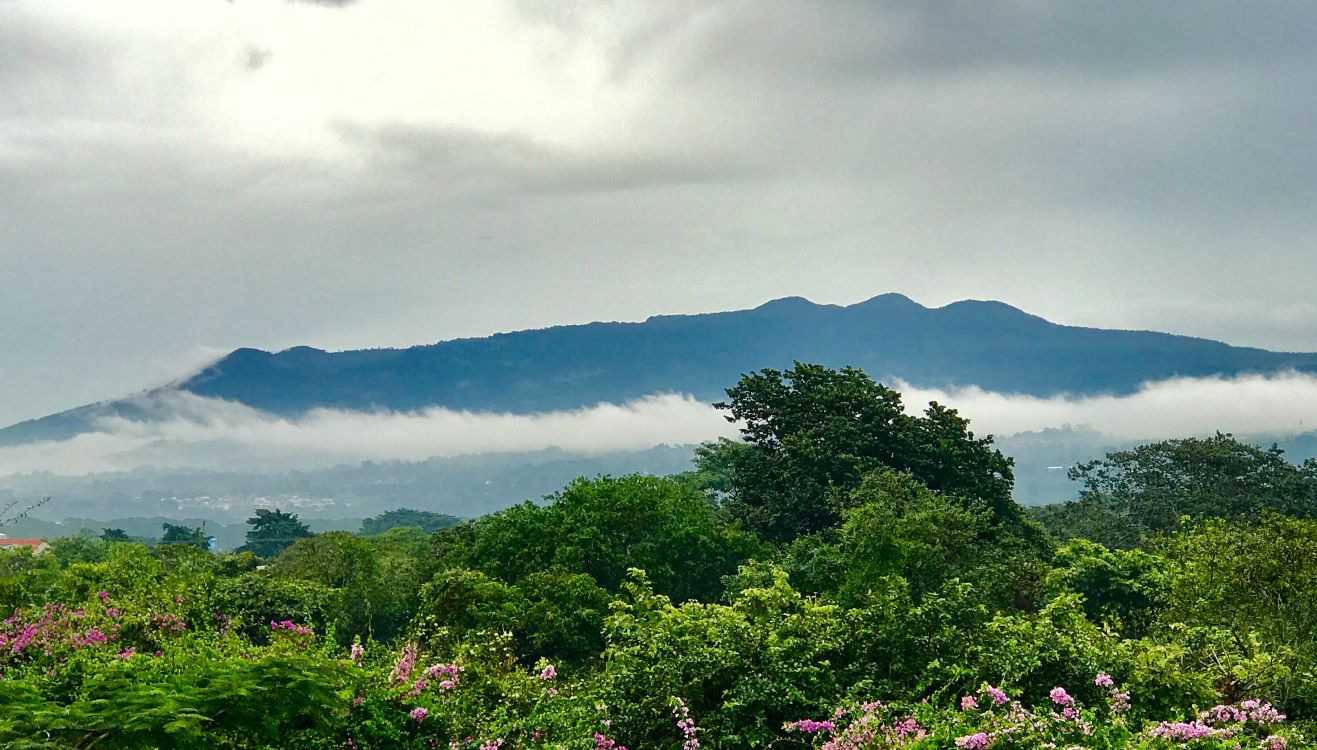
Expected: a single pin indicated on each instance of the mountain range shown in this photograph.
(980, 343)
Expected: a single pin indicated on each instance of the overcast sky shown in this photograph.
(181, 178)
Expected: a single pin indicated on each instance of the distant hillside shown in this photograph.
(988, 344)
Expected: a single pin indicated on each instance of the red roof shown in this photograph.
(7, 542)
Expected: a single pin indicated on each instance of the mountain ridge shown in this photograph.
(984, 343)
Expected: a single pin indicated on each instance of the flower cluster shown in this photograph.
(402, 670)
(168, 622)
(871, 727)
(291, 627)
(1223, 722)
(809, 726)
(55, 628)
(602, 742)
(689, 732)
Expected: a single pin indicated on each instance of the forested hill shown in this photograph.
(988, 344)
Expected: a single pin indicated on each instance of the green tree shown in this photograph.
(1135, 493)
(340, 560)
(184, 535)
(273, 531)
(604, 526)
(816, 432)
(115, 535)
(404, 517)
(1242, 597)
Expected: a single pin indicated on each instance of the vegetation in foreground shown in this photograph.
(847, 577)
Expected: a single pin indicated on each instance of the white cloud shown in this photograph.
(209, 433)
(1275, 405)
(193, 431)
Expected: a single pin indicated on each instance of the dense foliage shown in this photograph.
(910, 606)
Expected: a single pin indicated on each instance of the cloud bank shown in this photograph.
(345, 174)
(191, 431)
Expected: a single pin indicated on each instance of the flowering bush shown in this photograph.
(991, 719)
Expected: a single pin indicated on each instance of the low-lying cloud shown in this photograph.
(1273, 405)
(210, 433)
(192, 431)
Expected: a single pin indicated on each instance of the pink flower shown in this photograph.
(974, 741)
(809, 726)
(403, 669)
(1103, 680)
(356, 653)
(419, 713)
(548, 673)
(997, 695)
(1120, 701)
(104, 595)
(1060, 697)
(967, 703)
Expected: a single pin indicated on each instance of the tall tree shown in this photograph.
(174, 534)
(815, 433)
(273, 531)
(1135, 493)
(403, 517)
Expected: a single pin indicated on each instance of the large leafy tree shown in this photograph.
(1136, 493)
(177, 534)
(404, 517)
(115, 535)
(272, 531)
(602, 527)
(815, 432)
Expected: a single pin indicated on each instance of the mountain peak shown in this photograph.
(786, 305)
(890, 299)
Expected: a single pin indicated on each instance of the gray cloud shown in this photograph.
(396, 173)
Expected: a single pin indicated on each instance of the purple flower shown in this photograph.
(419, 713)
(1182, 731)
(403, 669)
(1060, 697)
(974, 741)
(997, 695)
(809, 726)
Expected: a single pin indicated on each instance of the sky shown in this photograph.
(178, 179)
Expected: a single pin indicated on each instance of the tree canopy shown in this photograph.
(403, 517)
(813, 433)
(1147, 490)
(273, 531)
